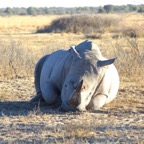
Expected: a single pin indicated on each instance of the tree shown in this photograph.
(32, 11)
(101, 10)
(141, 10)
(1, 12)
(109, 8)
(9, 11)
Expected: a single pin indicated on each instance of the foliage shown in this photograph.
(141, 9)
(9, 11)
(75, 10)
(32, 11)
(108, 8)
(101, 10)
(80, 24)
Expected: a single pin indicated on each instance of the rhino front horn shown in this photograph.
(74, 98)
(79, 87)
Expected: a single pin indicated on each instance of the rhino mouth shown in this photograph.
(75, 98)
(74, 103)
(81, 108)
(65, 107)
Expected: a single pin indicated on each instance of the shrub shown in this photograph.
(16, 61)
(130, 59)
(80, 24)
(133, 32)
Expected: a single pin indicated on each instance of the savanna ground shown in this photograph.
(121, 121)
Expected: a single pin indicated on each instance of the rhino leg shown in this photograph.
(50, 93)
(37, 74)
(97, 102)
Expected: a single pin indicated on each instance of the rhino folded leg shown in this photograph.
(97, 102)
(50, 93)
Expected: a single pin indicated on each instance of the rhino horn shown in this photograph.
(102, 63)
(74, 52)
(79, 87)
(74, 99)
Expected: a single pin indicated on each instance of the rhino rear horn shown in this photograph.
(102, 63)
(74, 52)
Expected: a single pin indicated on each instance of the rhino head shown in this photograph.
(84, 76)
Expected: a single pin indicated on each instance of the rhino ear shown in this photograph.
(74, 52)
(102, 63)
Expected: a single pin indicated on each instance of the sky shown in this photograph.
(65, 3)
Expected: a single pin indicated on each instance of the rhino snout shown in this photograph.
(65, 107)
(81, 108)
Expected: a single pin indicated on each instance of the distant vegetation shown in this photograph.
(86, 24)
(93, 26)
(75, 10)
(119, 35)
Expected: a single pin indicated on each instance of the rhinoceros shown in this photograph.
(81, 78)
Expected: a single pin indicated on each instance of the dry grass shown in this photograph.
(24, 122)
(121, 121)
(24, 24)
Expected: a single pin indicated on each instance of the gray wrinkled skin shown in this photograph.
(81, 77)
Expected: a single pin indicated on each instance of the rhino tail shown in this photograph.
(37, 98)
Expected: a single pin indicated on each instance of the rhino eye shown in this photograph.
(65, 85)
(83, 87)
(72, 82)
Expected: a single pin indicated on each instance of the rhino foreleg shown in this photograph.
(97, 102)
(37, 74)
(50, 93)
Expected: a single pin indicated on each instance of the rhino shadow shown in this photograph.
(18, 108)
(24, 108)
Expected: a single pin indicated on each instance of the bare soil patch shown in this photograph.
(121, 121)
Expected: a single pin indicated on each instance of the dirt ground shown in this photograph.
(121, 121)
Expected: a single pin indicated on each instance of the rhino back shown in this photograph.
(56, 68)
